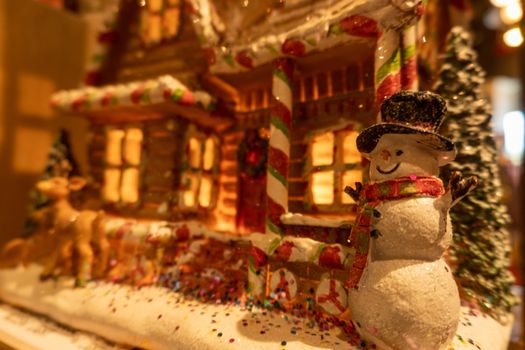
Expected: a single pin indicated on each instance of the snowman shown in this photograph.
(402, 293)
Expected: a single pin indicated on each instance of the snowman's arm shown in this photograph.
(354, 193)
(458, 187)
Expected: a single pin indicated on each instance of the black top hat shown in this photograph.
(409, 112)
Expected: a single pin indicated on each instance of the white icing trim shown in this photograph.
(305, 220)
(95, 98)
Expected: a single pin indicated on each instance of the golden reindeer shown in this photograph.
(81, 227)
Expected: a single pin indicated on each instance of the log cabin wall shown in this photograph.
(131, 59)
(323, 99)
(161, 172)
(225, 211)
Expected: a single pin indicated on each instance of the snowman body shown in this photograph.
(407, 297)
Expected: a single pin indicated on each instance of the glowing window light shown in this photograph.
(350, 152)
(129, 192)
(514, 133)
(350, 177)
(502, 3)
(513, 37)
(323, 187)
(323, 149)
(133, 146)
(512, 13)
(209, 153)
(205, 191)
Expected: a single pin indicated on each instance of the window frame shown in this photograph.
(199, 172)
(123, 165)
(338, 167)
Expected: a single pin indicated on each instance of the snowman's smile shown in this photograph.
(384, 172)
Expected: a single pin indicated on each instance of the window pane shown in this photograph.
(323, 149)
(350, 152)
(194, 155)
(191, 186)
(350, 177)
(130, 185)
(323, 187)
(114, 146)
(133, 146)
(154, 5)
(110, 191)
(205, 191)
(209, 154)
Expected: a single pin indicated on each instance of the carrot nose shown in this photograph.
(385, 154)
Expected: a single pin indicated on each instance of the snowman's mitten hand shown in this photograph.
(354, 193)
(460, 187)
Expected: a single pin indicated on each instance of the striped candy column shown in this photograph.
(409, 76)
(387, 66)
(279, 149)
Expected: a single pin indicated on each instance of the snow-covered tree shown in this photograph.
(481, 249)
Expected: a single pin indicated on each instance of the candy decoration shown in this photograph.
(279, 149)
(387, 66)
(164, 88)
(283, 284)
(409, 59)
(331, 295)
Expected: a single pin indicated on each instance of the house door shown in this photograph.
(252, 157)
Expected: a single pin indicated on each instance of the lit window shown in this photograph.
(323, 149)
(200, 170)
(334, 162)
(159, 20)
(123, 156)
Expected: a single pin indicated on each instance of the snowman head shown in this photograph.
(406, 142)
(399, 155)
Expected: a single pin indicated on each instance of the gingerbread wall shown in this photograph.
(41, 51)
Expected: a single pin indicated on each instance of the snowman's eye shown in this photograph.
(399, 152)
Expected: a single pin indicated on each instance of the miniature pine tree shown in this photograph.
(480, 250)
(60, 162)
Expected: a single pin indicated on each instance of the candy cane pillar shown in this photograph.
(279, 148)
(387, 66)
(409, 79)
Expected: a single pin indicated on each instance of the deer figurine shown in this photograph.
(80, 227)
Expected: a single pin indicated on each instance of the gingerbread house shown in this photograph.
(219, 120)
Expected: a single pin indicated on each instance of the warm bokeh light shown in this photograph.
(514, 132)
(502, 3)
(513, 37)
(512, 13)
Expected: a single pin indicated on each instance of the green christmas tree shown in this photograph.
(60, 162)
(481, 249)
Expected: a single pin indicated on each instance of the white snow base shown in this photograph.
(156, 318)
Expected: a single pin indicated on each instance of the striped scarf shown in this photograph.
(372, 195)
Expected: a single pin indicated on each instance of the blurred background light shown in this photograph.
(514, 133)
(512, 13)
(513, 37)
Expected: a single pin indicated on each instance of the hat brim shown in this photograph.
(368, 139)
